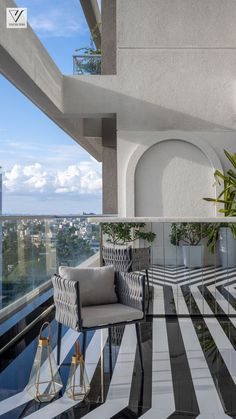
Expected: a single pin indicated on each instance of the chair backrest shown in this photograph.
(127, 259)
(96, 284)
(119, 257)
(66, 300)
(130, 288)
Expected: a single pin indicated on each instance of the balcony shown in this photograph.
(188, 338)
(86, 64)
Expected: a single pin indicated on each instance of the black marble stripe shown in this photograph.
(101, 379)
(224, 321)
(22, 375)
(162, 279)
(169, 300)
(141, 386)
(228, 296)
(215, 274)
(21, 325)
(201, 278)
(224, 383)
(33, 406)
(226, 279)
(211, 301)
(182, 415)
(184, 393)
(8, 356)
(183, 276)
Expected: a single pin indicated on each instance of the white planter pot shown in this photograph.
(193, 256)
(227, 248)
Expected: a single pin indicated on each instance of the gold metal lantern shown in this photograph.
(78, 384)
(45, 381)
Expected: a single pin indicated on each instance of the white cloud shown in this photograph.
(83, 178)
(26, 178)
(12, 177)
(37, 177)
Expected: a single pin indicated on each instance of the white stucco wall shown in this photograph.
(180, 76)
(176, 79)
(171, 178)
(205, 146)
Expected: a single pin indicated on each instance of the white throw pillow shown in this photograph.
(97, 285)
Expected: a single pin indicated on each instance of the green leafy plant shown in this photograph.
(228, 194)
(188, 233)
(227, 197)
(124, 233)
(87, 60)
(213, 234)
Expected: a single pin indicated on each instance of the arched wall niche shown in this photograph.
(169, 177)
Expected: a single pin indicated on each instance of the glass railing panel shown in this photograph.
(192, 266)
(85, 64)
(227, 259)
(34, 248)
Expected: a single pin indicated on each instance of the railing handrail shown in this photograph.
(86, 55)
(48, 217)
(187, 219)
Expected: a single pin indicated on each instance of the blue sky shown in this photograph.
(45, 171)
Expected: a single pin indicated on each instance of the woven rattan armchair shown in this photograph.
(129, 308)
(128, 259)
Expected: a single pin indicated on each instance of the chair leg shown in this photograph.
(148, 283)
(84, 344)
(110, 351)
(138, 333)
(148, 287)
(59, 327)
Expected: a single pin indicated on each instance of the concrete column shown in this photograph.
(109, 166)
(108, 45)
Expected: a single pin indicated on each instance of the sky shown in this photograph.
(44, 170)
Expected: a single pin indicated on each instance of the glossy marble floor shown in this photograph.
(189, 360)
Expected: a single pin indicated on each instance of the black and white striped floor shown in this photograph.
(189, 361)
(186, 291)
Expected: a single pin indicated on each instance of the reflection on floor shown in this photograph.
(189, 362)
(207, 291)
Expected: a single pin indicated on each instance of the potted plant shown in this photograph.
(119, 249)
(225, 233)
(189, 236)
(87, 60)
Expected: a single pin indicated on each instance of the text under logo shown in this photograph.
(16, 17)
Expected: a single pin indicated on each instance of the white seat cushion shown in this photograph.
(109, 314)
(97, 285)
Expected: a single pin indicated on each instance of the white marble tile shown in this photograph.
(207, 396)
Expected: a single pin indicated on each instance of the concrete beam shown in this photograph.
(25, 63)
(93, 17)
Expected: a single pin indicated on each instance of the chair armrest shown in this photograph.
(67, 302)
(130, 289)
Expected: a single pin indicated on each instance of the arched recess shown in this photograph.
(188, 163)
